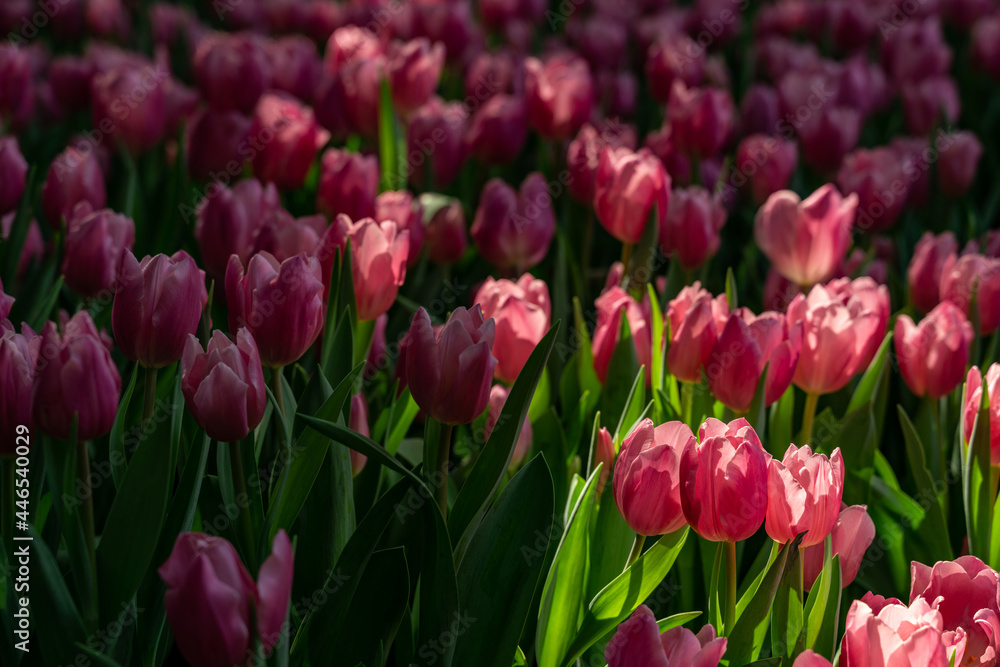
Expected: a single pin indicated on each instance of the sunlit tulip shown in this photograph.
(702, 118)
(696, 319)
(851, 536)
(973, 400)
(413, 69)
(400, 207)
(804, 494)
(933, 355)
(638, 643)
(560, 94)
(627, 187)
(584, 155)
(521, 311)
(973, 280)
(293, 135)
(610, 305)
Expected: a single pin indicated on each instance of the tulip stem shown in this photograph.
(633, 555)
(242, 500)
(444, 456)
(730, 587)
(687, 401)
(149, 395)
(626, 258)
(808, 415)
(938, 439)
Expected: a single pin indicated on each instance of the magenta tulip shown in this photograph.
(924, 273)
(584, 155)
(876, 177)
(609, 307)
(498, 397)
(513, 230)
(447, 239)
(690, 230)
(400, 207)
(217, 144)
(498, 129)
(295, 65)
(638, 643)
(18, 359)
(851, 536)
(933, 354)
(647, 480)
(413, 69)
(973, 279)
(289, 136)
(560, 94)
(13, 170)
(229, 222)
(223, 385)
(958, 163)
(828, 135)
(766, 163)
(285, 236)
(75, 176)
(436, 142)
(521, 311)
(232, 71)
(129, 103)
(804, 494)
(930, 102)
(348, 184)
(973, 400)
(627, 187)
(810, 658)
(671, 58)
(696, 319)
(94, 246)
(604, 453)
(702, 119)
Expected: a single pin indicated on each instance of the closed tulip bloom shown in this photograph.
(609, 307)
(285, 236)
(229, 222)
(696, 319)
(294, 65)
(804, 494)
(560, 94)
(924, 273)
(18, 359)
(930, 102)
(724, 481)
(232, 71)
(361, 85)
(348, 44)
(876, 177)
(16, 90)
(521, 312)
(295, 137)
(451, 368)
(690, 231)
(810, 658)
(348, 184)
(828, 135)
(378, 261)
(933, 355)
(281, 304)
(223, 386)
(701, 117)
(916, 51)
(75, 376)
(851, 536)
(865, 294)
(638, 643)
(627, 186)
(75, 176)
(498, 397)
(986, 45)
(974, 398)
(498, 129)
(436, 142)
(447, 239)
(647, 480)
(973, 279)
(584, 155)
(13, 170)
(212, 601)
(806, 240)
(957, 166)
(413, 69)
(604, 452)
(672, 58)
(513, 230)
(400, 207)
(115, 90)
(767, 163)
(217, 143)
(94, 248)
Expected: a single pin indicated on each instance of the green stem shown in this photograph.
(626, 258)
(730, 586)
(444, 455)
(242, 502)
(149, 395)
(714, 614)
(9, 500)
(938, 440)
(808, 415)
(83, 482)
(633, 555)
(687, 401)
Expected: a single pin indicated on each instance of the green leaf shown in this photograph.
(56, 620)
(439, 597)
(732, 296)
(857, 437)
(630, 589)
(565, 586)
(676, 620)
(657, 359)
(787, 611)
(824, 639)
(632, 411)
(352, 439)
(402, 419)
(502, 567)
(865, 391)
(391, 142)
(757, 415)
(978, 481)
(116, 441)
(620, 380)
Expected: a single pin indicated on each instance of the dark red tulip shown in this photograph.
(560, 94)
(229, 221)
(348, 184)
(94, 246)
(218, 144)
(413, 69)
(232, 71)
(498, 130)
(513, 230)
(436, 142)
(75, 176)
(289, 137)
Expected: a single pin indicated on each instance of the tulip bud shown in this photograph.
(607, 332)
(521, 312)
(408, 214)
(140, 93)
(494, 72)
(413, 69)
(157, 306)
(94, 247)
(767, 164)
(498, 130)
(348, 184)
(604, 452)
(628, 185)
(932, 355)
(378, 261)
(361, 83)
(18, 359)
(228, 223)
(75, 176)
(957, 165)
(295, 136)
(498, 397)
(647, 481)
(284, 236)
(695, 319)
(232, 71)
(690, 230)
(926, 265)
(348, 44)
(876, 177)
(724, 481)
(973, 401)
(223, 386)
(75, 376)
(973, 279)
(806, 240)
(436, 142)
(280, 304)
(513, 230)
(638, 642)
(584, 155)
(13, 170)
(446, 235)
(16, 89)
(560, 94)
(702, 119)
(852, 534)
(450, 370)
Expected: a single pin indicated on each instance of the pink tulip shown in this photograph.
(744, 347)
(806, 240)
(378, 261)
(973, 279)
(211, 600)
(131, 102)
(359, 424)
(408, 214)
(513, 230)
(804, 494)
(223, 385)
(647, 479)
(18, 359)
(957, 166)
(413, 69)
(498, 129)
(217, 144)
(696, 319)
(810, 658)
(13, 170)
(766, 163)
(933, 355)
(75, 176)
(348, 44)
(851, 536)
(638, 643)
(158, 304)
(604, 452)
(724, 481)
(232, 71)
(280, 304)
(521, 312)
(436, 142)
(690, 230)
(609, 307)
(584, 155)
(447, 239)
(974, 398)
(560, 94)
(75, 376)
(865, 294)
(702, 118)
(877, 178)
(94, 246)
(926, 265)
(289, 136)
(229, 222)
(451, 368)
(627, 187)
(348, 184)
(498, 396)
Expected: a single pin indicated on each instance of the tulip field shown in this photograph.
(499, 333)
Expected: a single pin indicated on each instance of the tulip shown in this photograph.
(604, 453)
(290, 137)
(408, 214)
(691, 227)
(560, 94)
(280, 304)
(916, 51)
(232, 71)
(494, 72)
(223, 386)
(348, 184)
(603, 42)
(695, 319)
(933, 355)
(376, 359)
(211, 599)
(617, 92)
(973, 401)
(217, 143)
(348, 44)
(724, 481)
(876, 177)
(446, 235)
(638, 643)
(584, 155)
(75, 176)
(361, 82)
(767, 163)
(498, 397)
(75, 377)
(804, 494)
(810, 658)
(702, 118)
(828, 135)
(930, 102)
(294, 65)
(606, 334)
(131, 102)
(745, 346)
(521, 312)
(229, 222)
(986, 45)
(94, 248)
(158, 304)
(973, 279)
(957, 165)
(806, 240)
(284, 236)
(647, 480)
(378, 261)
(436, 142)
(851, 536)
(673, 58)
(18, 359)
(966, 592)
(513, 230)
(924, 273)
(453, 366)
(16, 89)
(6, 303)
(498, 130)
(13, 170)
(887, 632)
(413, 69)
(69, 77)
(627, 186)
